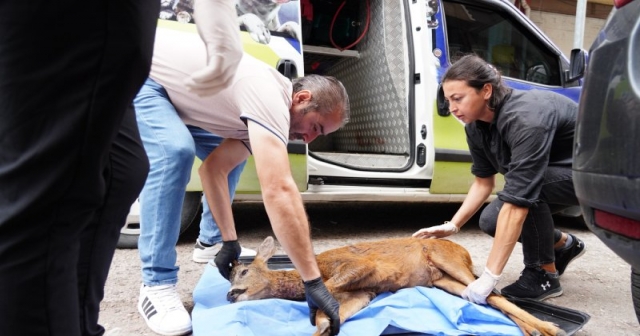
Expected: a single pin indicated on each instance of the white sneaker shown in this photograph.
(162, 309)
(202, 254)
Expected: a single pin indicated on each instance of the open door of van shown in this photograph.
(380, 51)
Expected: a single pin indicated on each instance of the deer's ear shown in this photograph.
(266, 249)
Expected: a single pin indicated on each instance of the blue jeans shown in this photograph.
(171, 147)
(538, 231)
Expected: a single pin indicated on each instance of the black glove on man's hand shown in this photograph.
(318, 297)
(229, 252)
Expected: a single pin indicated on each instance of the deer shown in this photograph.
(355, 274)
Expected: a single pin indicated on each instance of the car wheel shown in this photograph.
(635, 291)
(191, 211)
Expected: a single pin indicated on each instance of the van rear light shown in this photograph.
(620, 3)
(617, 224)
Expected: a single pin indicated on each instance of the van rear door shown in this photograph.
(386, 146)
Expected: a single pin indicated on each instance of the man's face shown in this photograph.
(307, 123)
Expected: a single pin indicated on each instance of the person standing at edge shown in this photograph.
(528, 137)
(71, 161)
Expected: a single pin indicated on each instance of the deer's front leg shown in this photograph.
(350, 303)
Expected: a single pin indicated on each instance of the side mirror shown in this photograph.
(441, 103)
(577, 66)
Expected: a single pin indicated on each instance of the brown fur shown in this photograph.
(355, 274)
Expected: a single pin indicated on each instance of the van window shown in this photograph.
(502, 41)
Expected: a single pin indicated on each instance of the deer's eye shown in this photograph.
(244, 272)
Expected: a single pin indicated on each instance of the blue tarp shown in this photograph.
(423, 310)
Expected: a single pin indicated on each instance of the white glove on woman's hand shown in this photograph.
(478, 290)
(438, 231)
(217, 24)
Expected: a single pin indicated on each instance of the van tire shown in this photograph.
(127, 241)
(191, 211)
(635, 291)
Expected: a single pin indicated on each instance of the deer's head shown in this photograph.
(253, 281)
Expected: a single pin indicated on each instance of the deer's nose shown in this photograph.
(232, 295)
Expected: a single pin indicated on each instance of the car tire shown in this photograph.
(635, 291)
(191, 211)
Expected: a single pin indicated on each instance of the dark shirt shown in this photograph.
(531, 130)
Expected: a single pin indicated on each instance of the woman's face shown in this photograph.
(466, 103)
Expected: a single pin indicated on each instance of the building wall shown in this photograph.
(560, 27)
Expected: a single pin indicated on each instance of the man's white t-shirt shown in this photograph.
(258, 92)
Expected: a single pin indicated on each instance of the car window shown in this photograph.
(501, 40)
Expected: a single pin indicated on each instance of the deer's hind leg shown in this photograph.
(518, 314)
(454, 260)
(350, 303)
(529, 324)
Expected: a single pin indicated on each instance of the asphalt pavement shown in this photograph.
(597, 284)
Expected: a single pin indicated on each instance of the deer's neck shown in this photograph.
(288, 285)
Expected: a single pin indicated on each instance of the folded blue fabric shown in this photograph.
(429, 311)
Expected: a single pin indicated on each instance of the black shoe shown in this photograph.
(566, 255)
(534, 283)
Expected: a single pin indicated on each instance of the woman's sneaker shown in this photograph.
(534, 283)
(162, 309)
(567, 255)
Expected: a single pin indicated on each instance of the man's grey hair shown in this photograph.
(327, 94)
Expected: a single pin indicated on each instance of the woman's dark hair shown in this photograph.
(476, 72)
(328, 94)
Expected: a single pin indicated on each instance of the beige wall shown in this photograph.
(559, 28)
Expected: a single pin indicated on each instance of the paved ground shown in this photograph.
(597, 284)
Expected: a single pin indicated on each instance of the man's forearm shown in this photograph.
(291, 227)
(217, 25)
(216, 190)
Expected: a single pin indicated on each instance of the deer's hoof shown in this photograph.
(323, 327)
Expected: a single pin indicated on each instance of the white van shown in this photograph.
(400, 144)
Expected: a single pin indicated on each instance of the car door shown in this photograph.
(502, 35)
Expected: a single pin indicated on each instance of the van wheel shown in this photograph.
(191, 211)
(635, 291)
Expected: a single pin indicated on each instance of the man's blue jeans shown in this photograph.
(171, 146)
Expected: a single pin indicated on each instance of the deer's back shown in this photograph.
(388, 265)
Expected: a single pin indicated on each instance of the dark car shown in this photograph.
(606, 166)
